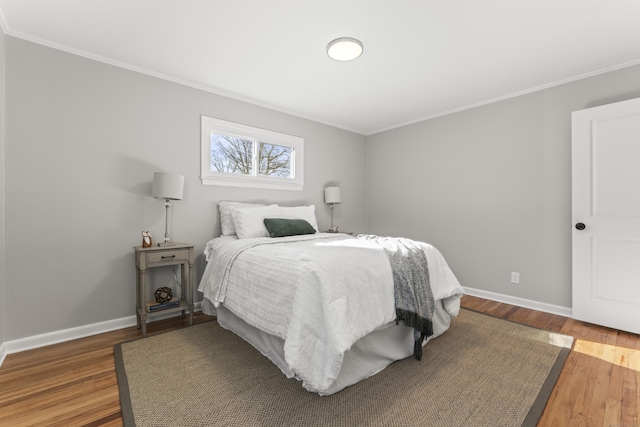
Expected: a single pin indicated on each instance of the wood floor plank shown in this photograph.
(613, 402)
(77, 412)
(521, 315)
(74, 383)
(628, 357)
(557, 323)
(57, 395)
(55, 378)
(630, 404)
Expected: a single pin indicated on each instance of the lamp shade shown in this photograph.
(167, 186)
(332, 195)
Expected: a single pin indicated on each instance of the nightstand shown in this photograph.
(161, 256)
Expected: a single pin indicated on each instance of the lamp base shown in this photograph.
(166, 244)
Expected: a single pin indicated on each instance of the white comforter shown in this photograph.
(319, 293)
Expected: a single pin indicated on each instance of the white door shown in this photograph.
(606, 215)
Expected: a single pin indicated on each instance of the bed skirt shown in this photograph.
(365, 358)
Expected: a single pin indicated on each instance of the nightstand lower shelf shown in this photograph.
(145, 315)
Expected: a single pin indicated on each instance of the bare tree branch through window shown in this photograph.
(231, 154)
(239, 155)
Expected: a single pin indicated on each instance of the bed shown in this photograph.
(320, 306)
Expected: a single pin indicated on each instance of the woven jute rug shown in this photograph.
(482, 372)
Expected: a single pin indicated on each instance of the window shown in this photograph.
(244, 156)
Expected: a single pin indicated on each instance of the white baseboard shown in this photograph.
(3, 353)
(50, 338)
(520, 302)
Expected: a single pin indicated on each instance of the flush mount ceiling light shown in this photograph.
(344, 49)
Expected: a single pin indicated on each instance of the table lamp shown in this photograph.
(331, 197)
(167, 186)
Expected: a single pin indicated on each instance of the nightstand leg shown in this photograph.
(190, 288)
(185, 288)
(142, 298)
(138, 297)
(143, 321)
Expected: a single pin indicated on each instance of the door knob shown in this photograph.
(580, 226)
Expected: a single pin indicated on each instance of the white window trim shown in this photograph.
(209, 177)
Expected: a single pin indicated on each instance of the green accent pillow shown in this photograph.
(281, 227)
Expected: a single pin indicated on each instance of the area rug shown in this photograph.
(483, 371)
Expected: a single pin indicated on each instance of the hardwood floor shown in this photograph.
(74, 383)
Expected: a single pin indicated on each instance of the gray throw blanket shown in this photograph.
(412, 289)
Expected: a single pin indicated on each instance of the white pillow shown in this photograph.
(308, 213)
(249, 222)
(226, 223)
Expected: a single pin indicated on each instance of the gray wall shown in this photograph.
(83, 141)
(491, 186)
(2, 204)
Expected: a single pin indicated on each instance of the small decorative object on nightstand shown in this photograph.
(163, 295)
(147, 242)
(159, 256)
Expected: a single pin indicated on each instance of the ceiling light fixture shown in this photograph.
(344, 49)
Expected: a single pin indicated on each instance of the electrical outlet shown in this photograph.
(515, 278)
